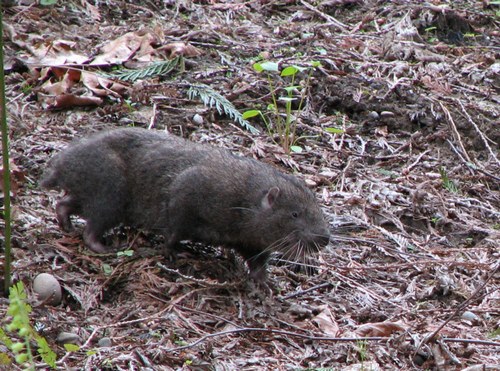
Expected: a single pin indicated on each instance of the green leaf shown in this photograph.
(334, 131)
(250, 113)
(48, 356)
(271, 107)
(107, 269)
(24, 332)
(5, 339)
(290, 89)
(17, 347)
(287, 99)
(266, 66)
(21, 358)
(48, 2)
(91, 352)
(71, 347)
(315, 64)
(289, 71)
(301, 69)
(296, 149)
(125, 253)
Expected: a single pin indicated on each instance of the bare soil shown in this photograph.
(399, 137)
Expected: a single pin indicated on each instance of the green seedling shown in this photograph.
(107, 269)
(27, 89)
(128, 253)
(435, 219)
(362, 351)
(279, 123)
(447, 183)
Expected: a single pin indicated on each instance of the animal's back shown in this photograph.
(95, 170)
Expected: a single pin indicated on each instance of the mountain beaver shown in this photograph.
(185, 191)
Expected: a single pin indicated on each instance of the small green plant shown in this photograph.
(362, 351)
(129, 105)
(27, 89)
(283, 124)
(19, 312)
(435, 219)
(447, 183)
(177, 340)
(128, 253)
(494, 334)
(431, 33)
(107, 269)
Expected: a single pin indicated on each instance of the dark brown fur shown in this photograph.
(185, 190)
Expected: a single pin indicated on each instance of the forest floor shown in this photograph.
(397, 133)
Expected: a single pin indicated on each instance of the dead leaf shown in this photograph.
(70, 100)
(92, 10)
(124, 48)
(326, 323)
(383, 329)
(56, 53)
(102, 86)
(69, 79)
(179, 49)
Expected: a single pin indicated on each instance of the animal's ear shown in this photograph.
(270, 197)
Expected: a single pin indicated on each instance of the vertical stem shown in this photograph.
(278, 123)
(6, 168)
(290, 139)
(303, 94)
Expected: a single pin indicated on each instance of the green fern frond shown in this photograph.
(155, 69)
(211, 99)
(19, 311)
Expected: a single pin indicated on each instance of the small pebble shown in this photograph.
(48, 289)
(373, 115)
(469, 316)
(387, 114)
(104, 342)
(198, 119)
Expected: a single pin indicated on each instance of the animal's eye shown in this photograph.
(295, 214)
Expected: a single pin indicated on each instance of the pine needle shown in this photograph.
(212, 99)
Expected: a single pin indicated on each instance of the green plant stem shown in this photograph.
(303, 93)
(279, 126)
(31, 361)
(267, 123)
(290, 128)
(6, 167)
